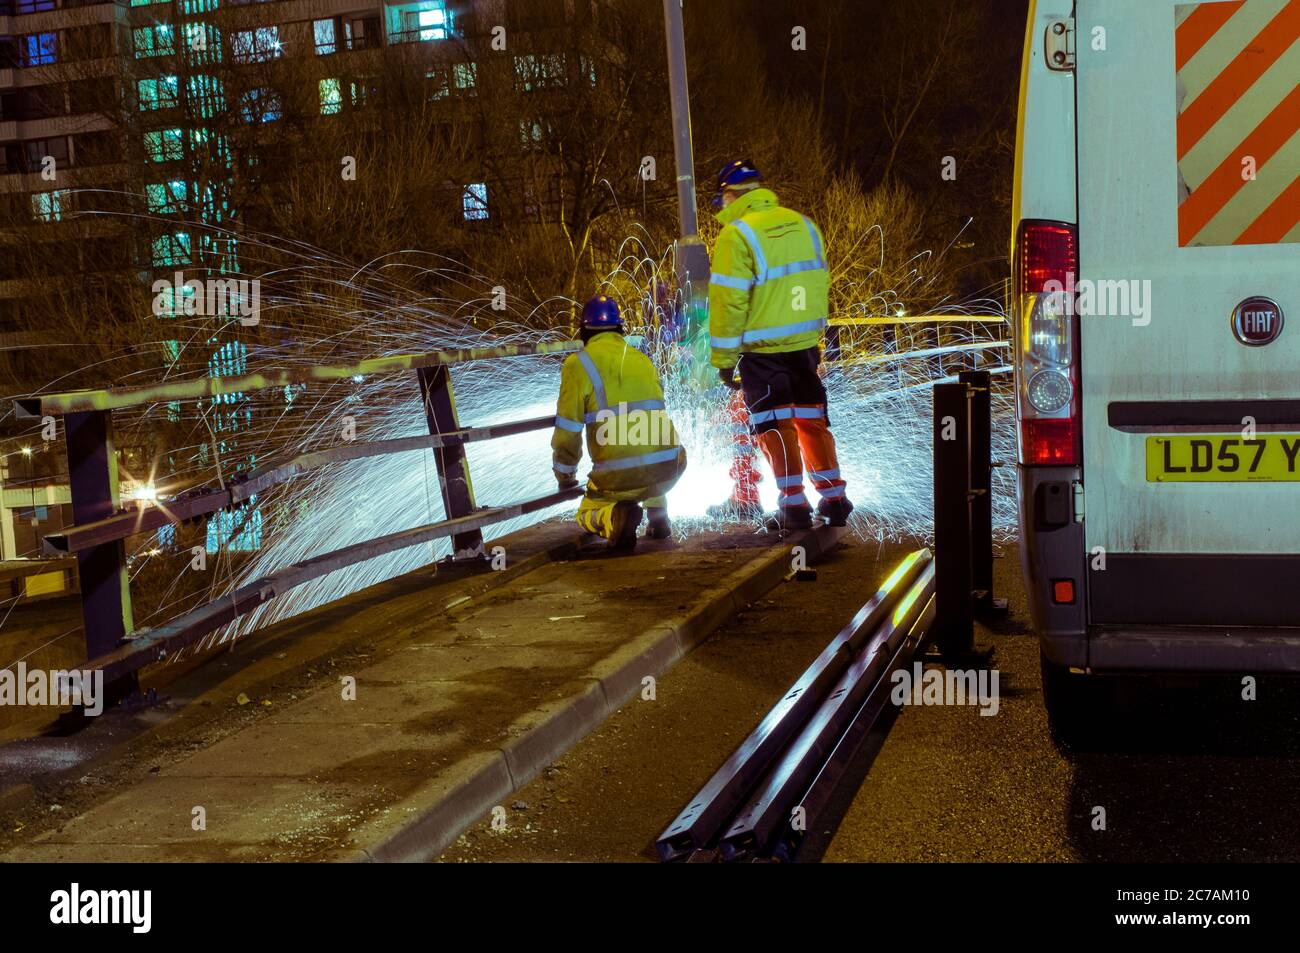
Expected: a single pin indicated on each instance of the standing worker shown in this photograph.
(768, 304)
(611, 391)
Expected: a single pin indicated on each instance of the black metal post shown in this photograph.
(453, 467)
(105, 585)
(981, 486)
(954, 623)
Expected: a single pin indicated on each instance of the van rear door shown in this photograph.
(1189, 244)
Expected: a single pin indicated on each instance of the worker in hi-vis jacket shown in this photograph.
(768, 305)
(610, 391)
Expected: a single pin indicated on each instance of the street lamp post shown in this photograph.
(692, 258)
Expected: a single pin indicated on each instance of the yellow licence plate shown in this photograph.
(1266, 458)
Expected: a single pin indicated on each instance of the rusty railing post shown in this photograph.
(453, 467)
(105, 584)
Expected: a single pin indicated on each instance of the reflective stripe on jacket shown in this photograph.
(769, 290)
(611, 391)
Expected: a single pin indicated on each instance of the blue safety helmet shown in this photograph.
(601, 314)
(734, 174)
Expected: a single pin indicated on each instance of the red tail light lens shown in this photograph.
(1050, 441)
(1046, 338)
(1048, 252)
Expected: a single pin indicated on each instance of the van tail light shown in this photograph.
(1046, 328)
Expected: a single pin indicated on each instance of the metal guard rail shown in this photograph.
(101, 526)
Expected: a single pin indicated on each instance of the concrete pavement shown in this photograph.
(461, 695)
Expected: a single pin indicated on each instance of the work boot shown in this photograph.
(734, 510)
(789, 518)
(659, 527)
(624, 522)
(835, 511)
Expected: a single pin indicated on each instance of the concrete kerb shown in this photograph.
(448, 807)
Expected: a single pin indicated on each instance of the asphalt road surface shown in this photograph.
(1190, 772)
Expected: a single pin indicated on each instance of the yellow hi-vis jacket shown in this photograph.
(769, 291)
(611, 390)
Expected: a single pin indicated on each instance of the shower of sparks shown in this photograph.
(318, 310)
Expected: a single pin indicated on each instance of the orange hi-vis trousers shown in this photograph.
(800, 439)
(787, 411)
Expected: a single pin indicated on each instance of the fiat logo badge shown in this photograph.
(1257, 321)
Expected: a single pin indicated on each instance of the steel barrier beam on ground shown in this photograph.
(797, 841)
(774, 803)
(714, 809)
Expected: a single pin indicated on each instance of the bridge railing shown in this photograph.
(102, 524)
(981, 350)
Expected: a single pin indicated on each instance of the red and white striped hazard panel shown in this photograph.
(1238, 67)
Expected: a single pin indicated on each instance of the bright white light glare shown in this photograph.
(27, 451)
(145, 491)
(705, 483)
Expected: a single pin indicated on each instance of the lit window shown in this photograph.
(439, 85)
(165, 197)
(229, 360)
(166, 537)
(202, 43)
(39, 49)
(49, 206)
(255, 46)
(152, 41)
(539, 71)
(237, 530)
(325, 42)
(331, 97)
(206, 95)
(464, 75)
(261, 105)
(159, 93)
(474, 203)
(172, 248)
(422, 21)
(215, 145)
(433, 24)
(163, 145)
(530, 132)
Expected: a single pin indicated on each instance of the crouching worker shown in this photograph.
(611, 391)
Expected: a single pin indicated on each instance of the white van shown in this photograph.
(1156, 259)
